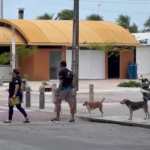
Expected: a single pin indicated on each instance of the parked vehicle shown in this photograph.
(145, 90)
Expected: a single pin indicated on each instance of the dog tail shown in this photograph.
(145, 99)
(103, 99)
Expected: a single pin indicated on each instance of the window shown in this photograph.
(4, 49)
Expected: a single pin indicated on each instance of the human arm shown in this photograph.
(61, 76)
(16, 82)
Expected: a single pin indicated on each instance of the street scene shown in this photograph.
(74, 75)
(42, 134)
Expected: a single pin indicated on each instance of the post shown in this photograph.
(54, 86)
(74, 99)
(28, 96)
(75, 44)
(1, 9)
(91, 93)
(42, 97)
(13, 47)
(21, 90)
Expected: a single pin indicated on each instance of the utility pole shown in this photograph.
(1, 9)
(99, 5)
(75, 45)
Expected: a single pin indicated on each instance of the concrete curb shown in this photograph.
(133, 124)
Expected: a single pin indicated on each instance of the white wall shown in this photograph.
(143, 59)
(4, 71)
(91, 64)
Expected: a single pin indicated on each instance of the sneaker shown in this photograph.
(56, 120)
(72, 120)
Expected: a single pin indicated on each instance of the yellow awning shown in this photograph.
(59, 32)
(6, 36)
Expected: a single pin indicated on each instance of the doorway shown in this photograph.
(55, 59)
(113, 65)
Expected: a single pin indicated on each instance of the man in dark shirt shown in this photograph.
(65, 90)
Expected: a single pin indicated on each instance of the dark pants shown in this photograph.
(11, 111)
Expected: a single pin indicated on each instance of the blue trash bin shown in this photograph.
(130, 70)
(134, 71)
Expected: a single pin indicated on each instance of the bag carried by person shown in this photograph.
(14, 101)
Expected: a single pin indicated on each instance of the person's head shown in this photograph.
(63, 64)
(15, 73)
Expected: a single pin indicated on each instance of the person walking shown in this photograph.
(14, 91)
(64, 91)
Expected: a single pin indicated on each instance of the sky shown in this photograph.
(138, 10)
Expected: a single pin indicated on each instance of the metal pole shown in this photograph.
(42, 97)
(54, 87)
(75, 44)
(28, 96)
(91, 93)
(1, 9)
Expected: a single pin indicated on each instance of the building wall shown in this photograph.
(125, 57)
(4, 71)
(91, 63)
(143, 59)
(37, 66)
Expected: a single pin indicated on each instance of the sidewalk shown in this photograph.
(99, 86)
(114, 113)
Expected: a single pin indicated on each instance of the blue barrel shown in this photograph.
(130, 70)
(134, 71)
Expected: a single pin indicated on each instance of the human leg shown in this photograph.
(10, 114)
(19, 107)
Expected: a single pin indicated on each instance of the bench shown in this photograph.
(4, 81)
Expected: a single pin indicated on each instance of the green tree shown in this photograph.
(46, 16)
(26, 51)
(65, 14)
(95, 17)
(110, 47)
(125, 22)
(5, 58)
(23, 51)
(146, 26)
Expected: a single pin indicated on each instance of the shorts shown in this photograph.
(65, 95)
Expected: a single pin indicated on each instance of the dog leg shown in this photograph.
(131, 115)
(146, 112)
(100, 108)
(89, 110)
(61, 114)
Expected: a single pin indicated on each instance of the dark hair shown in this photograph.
(16, 71)
(63, 63)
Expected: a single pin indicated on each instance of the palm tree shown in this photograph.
(46, 16)
(95, 17)
(65, 14)
(125, 22)
(147, 26)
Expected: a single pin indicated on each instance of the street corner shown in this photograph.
(120, 120)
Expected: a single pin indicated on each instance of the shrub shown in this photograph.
(129, 84)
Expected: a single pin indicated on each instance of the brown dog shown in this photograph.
(133, 106)
(94, 105)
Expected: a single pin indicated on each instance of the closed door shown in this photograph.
(55, 59)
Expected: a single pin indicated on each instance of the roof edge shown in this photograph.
(16, 27)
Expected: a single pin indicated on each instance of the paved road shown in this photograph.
(41, 134)
(81, 136)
